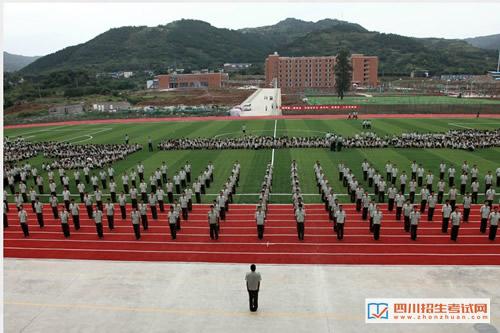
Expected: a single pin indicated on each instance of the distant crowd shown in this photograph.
(470, 139)
(67, 155)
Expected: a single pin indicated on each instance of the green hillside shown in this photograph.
(193, 44)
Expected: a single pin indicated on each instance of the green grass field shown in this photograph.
(398, 100)
(254, 162)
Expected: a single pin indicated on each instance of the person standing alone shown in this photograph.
(253, 279)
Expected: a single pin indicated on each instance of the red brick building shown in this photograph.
(201, 80)
(298, 73)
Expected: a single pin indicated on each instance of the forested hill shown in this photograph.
(196, 44)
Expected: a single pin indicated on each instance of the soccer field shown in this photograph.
(253, 162)
(393, 100)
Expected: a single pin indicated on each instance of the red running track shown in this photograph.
(238, 241)
(212, 118)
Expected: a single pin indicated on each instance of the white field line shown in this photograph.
(248, 194)
(89, 136)
(261, 253)
(246, 243)
(279, 129)
(274, 136)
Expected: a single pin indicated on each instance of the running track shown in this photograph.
(212, 118)
(238, 241)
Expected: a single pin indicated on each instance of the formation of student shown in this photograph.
(469, 139)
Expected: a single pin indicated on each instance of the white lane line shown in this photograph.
(458, 125)
(261, 253)
(332, 235)
(279, 129)
(89, 136)
(274, 136)
(168, 242)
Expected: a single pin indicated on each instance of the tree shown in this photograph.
(343, 70)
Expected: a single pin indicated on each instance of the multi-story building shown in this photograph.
(199, 80)
(299, 73)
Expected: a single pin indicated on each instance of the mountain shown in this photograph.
(287, 30)
(196, 44)
(398, 54)
(491, 42)
(14, 62)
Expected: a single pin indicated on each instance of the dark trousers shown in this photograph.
(412, 197)
(440, 197)
(484, 223)
(365, 175)
(173, 230)
(364, 213)
(183, 183)
(40, 189)
(123, 212)
(65, 229)
(170, 197)
(190, 205)
(103, 182)
(137, 231)
(452, 204)
(462, 189)
(87, 179)
(253, 298)
(444, 226)
(39, 217)
(66, 204)
(300, 230)
(413, 231)
(399, 210)
(164, 177)
(370, 182)
(154, 212)
(474, 197)
(89, 211)
(419, 181)
(454, 232)
(98, 227)
(358, 205)
(188, 177)
(423, 203)
(76, 221)
(144, 220)
(185, 213)
(341, 175)
(451, 181)
(125, 188)
(99, 204)
(430, 213)
(407, 223)
(134, 203)
(402, 188)
(5, 220)
(111, 221)
(178, 188)
(376, 231)
(391, 204)
(466, 214)
(144, 196)
(214, 233)
(55, 212)
(26, 232)
(162, 205)
(178, 225)
(113, 197)
(198, 197)
(493, 232)
(340, 231)
(202, 189)
(260, 231)
(381, 196)
(81, 196)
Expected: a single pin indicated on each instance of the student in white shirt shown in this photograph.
(494, 217)
(455, 218)
(485, 213)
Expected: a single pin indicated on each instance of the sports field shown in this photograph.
(395, 100)
(253, 162)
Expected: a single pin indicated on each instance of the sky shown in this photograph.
(42, 28)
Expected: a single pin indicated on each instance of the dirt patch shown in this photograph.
(27, 107)
(227, 97)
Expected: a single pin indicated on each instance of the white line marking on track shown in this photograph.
(274, 136)
(261, 253)
(89, 136)
(247, 243)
